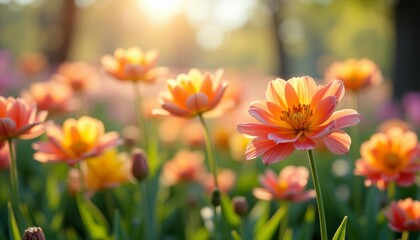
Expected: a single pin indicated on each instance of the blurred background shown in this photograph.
(284, 37)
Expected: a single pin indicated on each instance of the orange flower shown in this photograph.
(132, 65)
(191, 94)
(107, 170)
(404, 215)
(226, 179)
(75, 141)
(186, 166)
(19, 119)
(295, 115)
(389, 157)
(80, 76)
(52, 96)
(356, 74)
(288, 185)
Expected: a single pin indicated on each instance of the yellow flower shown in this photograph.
(75, 141)
(105, 171)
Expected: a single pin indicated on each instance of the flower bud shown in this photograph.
(240, 205)
(215, 198)
(33, 233)
(140, 168)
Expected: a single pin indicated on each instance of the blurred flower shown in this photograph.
(288, 185)
(80, 76)
(392, 123)
(32, 63)
(186, 166)
(52, 96)
(226, 180)
(19, 119)
(389, 157)
(410, 104)
(140, 168)
(33, 233)
(107, 170)
(132, 65)
(296, 113)
(240, 205)
(356, 74)
(191, 94)
(75, 141)
(4, 157)
(404, 215)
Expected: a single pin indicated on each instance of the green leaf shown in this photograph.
(235, 235)
(13, 227)
(269, 228)
(119, 231)
(93, 220)
(227, 210)
(259, 214)
(308, 227)
(340, 234)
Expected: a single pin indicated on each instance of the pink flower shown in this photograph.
(186, 166)
(389, 157)
(226, 180)
(296, 114)
(288, 185)
(18, 119)
(75, 141)
(404, 215)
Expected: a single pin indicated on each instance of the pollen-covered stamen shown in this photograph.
(297, 116)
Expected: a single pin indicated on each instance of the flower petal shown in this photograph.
(338, 142)
(277, 153)
(257, 147)
(197, 102)
(345, 118)
(305, 88)
(256, 129)
(274, 92)
(324, 110)
(304, 143)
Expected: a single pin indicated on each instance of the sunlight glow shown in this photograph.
(161, 12)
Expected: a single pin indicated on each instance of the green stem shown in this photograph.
(357, 183)
(14, 180)
(285, 221)
(13, 172)
(405, 235)
(147, 221)
(210, 151)
(390, 194)
(319, 201)
(141, 122)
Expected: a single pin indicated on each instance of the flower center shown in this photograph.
(297, 116)
(391, 161)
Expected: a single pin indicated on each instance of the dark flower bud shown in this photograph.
(215, 198)
(33, 233)
(240, 205)
(140, 168)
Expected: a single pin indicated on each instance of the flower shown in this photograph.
(410, 103)
(75, 141)
(226, 179)
(191, 94)
(132, 65)
(404, 215)
(296, 114)
(140, 167)
(288, 185)
(389, 157)
(52, 96)
(356, 74)
(19, 119)
(32, 63)
(80, 76)
(186, 166)
(33, 233)
(107, 170)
